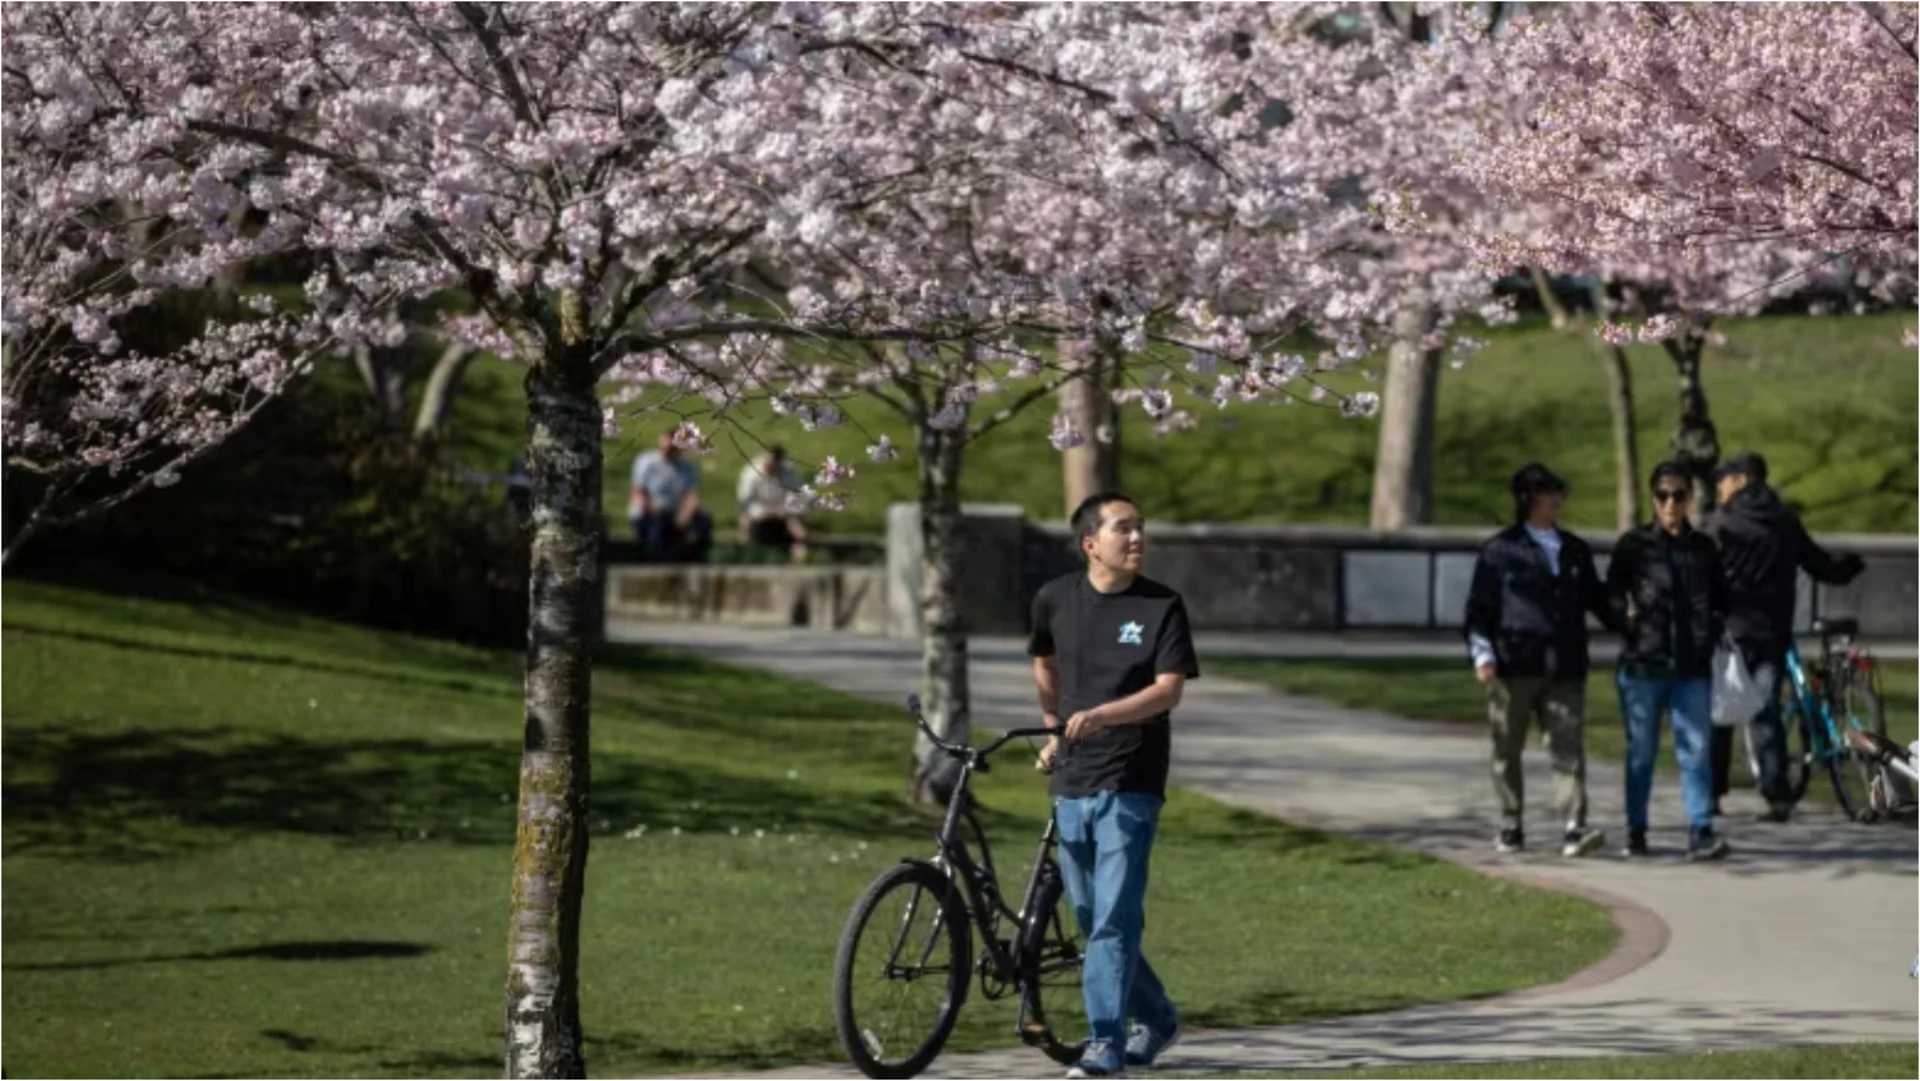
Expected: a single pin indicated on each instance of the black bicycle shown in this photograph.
(906, 956)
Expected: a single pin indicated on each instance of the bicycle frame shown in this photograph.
(1815, 702)
(1815, 708)
(980, 882)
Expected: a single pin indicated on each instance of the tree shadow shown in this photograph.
(322, 950)
(156, 792)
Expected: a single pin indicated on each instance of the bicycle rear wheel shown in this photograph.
(1883, 793)
(901, 975)
(1053, 1014)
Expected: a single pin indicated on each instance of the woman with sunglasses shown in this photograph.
(1664, 580)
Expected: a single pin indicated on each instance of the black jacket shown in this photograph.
(1535, 620)
(1678, 601)
(1762, 545)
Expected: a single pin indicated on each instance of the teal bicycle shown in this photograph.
(1823, 705)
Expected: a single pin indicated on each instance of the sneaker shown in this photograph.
(1776, 812)
(1510, 840)
(1637, 845)
(1705, 845)
(1145, 1045)
(1094, 1069)
(1580, 840)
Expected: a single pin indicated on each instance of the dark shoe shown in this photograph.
(1581, 840)
(1145, 1045)
(1637, 844)
(1510, 840)
(1706, 846)
(1776, 812)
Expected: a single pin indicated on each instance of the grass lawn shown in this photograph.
(1828, 400)
(1836, 1060)
(242, 842)
(1444, 690)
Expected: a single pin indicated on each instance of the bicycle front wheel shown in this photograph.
(1797, 732)
(901, 975)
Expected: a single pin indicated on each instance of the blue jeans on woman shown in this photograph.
(1104, 843)
(1642, 700)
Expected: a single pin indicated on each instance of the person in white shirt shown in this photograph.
(766, 519)
(1526, 630)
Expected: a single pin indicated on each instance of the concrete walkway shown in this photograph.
(1803, 936)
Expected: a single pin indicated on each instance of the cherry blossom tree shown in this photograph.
(1699, 127)
(1704, 159)
(599, 183)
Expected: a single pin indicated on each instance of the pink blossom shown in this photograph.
(1064, 435)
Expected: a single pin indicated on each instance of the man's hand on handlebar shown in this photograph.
(1048, 750)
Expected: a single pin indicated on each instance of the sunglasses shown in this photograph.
(1671, 495)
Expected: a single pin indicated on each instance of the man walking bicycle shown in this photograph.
(1111, 652)
(1762, 546)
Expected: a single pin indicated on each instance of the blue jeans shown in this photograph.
(1104, 843)
(1642, 701)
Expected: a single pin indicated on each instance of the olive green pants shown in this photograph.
(1559, 705)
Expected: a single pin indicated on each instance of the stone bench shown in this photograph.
(828, 597)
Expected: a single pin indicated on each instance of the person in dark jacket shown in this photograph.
(1664, 583)
(1762, 547)
(1526, 627)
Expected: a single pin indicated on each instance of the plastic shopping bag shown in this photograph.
(1738, 694)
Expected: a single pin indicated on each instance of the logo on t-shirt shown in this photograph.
(1130, 633)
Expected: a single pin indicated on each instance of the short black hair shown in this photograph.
(1670, 468)
(1747, 463)
(1533, 479)
(1086, 517)
(777, 452)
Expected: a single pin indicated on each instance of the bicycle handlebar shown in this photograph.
(961, 750)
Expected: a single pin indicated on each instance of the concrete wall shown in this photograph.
(1318, 578)
(1234, 578)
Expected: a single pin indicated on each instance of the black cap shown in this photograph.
(1747, 463)
(1535, 478)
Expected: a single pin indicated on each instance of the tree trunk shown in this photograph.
(384, 371)
(443, 386)
(943, 640)
(550, 848)
(1403, 469)
(1696, 444)
(1626, 454)
(1092, 466)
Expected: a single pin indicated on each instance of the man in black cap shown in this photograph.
(1762, 544)
(1527, 632)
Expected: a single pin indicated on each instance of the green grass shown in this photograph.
(242, 842)
(1837, 1060)
(1444, 690)
(1828, 400)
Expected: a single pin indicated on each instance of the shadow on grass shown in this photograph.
(154, 792)
(494, 686)
(327, 950)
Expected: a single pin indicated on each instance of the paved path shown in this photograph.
(1803, 936)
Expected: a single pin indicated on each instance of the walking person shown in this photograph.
(1533, 585)
(1762, 546)
(1111, 652)
(1665, 582)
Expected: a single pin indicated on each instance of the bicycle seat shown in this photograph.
(1839, 628)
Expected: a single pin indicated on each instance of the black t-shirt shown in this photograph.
(1110, 645)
